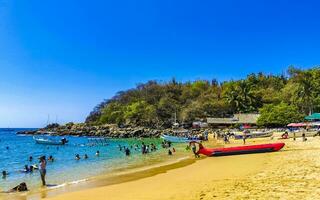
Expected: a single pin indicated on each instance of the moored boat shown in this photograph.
(50, 141)
(260, 148)
(176, 139)
(254, 135)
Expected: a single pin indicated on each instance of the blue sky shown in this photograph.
(63, 57)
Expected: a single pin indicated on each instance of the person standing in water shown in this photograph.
(4, 174)
(43, 170)
(127, 151)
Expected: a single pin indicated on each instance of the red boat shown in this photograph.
(260, 148)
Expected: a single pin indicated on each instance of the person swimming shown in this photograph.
(98, 153)
(51, 159)
(26, 169)
(77, 157)
(30, 158)
(85, 156)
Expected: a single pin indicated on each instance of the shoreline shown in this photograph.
(119, 177)
(292, 173)
(185, 179)
(255, 176)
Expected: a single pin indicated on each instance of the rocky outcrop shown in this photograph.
(108, 130)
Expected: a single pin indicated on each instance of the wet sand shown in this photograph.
(292, 173)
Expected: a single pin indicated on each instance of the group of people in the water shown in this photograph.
(41, 166)
(77, 156)
(166, 144)
(30, 169)
(146, 148)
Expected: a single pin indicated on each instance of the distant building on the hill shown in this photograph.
(248, 119)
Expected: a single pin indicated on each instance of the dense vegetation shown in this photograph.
(280, 99)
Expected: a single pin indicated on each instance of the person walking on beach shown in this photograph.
(244, 137)
(304, 137)
(226, 138)
(43, 171)
(194, 150)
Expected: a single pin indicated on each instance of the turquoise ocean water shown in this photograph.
(65, 169)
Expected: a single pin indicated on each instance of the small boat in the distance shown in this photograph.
(176, 139)
(260, 148)
(50, 141)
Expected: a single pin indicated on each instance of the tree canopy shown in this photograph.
(279, 115)
(155, 104)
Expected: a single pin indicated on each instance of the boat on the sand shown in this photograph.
(254, 135)
(50, 141)
(260, 148)
(176, 139)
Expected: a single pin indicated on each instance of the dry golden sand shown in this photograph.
(292, 173)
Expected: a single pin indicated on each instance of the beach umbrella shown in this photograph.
(314, 116)
(297, 124)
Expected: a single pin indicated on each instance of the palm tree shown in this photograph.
(232, 98)
(246, 98)
(305, 90)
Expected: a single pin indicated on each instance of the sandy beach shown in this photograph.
(292, 173)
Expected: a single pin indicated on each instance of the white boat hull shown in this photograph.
(48, 141)
(175, 139)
